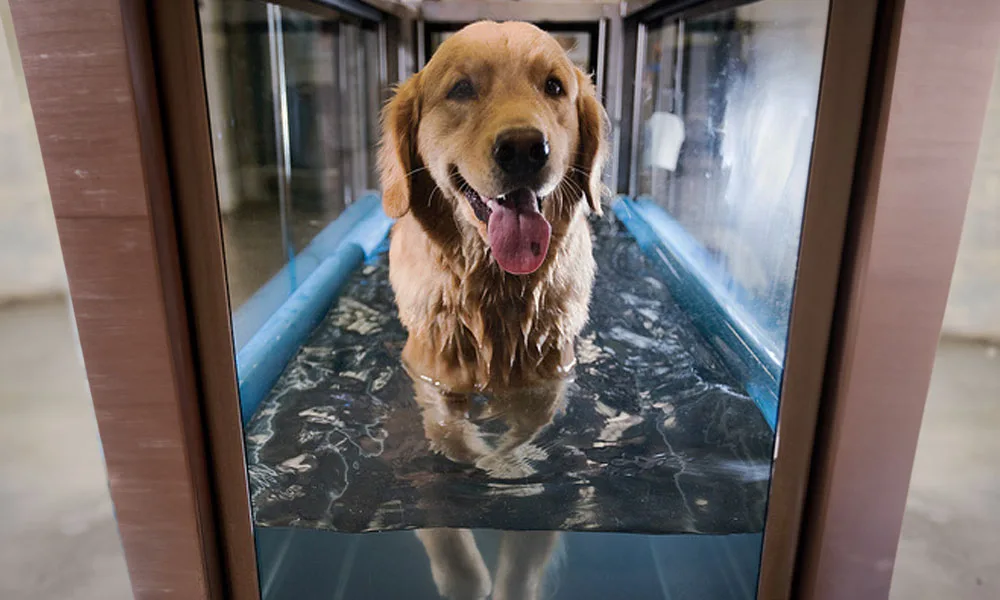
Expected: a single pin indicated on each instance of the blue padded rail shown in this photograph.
(714, 301)
(258, 309)
(339, 249)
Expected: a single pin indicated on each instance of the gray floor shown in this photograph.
(60, 541)
(58, 531)
(951, 531)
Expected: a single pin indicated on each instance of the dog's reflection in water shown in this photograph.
(490, 158)
(453, 424)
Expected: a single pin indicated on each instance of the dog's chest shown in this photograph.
(469, 321)
(511, 330)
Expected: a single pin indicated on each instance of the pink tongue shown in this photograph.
(519, 234)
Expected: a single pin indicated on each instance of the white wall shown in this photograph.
(974, 304)
(30, 260)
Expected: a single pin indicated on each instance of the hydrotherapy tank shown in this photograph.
(658, 469)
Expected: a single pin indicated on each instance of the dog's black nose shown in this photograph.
(521, 152)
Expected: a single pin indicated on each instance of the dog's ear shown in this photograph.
(397, 152)
(593, 151)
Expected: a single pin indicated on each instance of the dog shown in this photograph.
(490, 161)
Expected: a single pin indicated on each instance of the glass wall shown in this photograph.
(294, 102)
(726, 112)
(579, 43)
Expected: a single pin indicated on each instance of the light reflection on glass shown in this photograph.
(727, 113)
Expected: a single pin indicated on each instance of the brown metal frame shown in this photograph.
(843, 84)
(98, 121)
(120, 107)
(927, 100)
(176, 44)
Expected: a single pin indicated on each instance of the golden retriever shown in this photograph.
(490, 158)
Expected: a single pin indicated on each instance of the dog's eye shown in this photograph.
(463, 90)
(553, 87)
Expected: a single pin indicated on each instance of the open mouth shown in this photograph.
(481, 204)
(518, 234)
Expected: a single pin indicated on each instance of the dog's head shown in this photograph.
(510, 131)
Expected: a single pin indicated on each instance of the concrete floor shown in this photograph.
(59, 540)
(950, 548)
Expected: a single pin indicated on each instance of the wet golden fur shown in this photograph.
(470, 324)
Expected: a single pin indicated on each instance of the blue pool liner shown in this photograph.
(716, 303)
(344, 245)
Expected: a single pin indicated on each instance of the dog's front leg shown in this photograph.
(456, 564)
(524, 556)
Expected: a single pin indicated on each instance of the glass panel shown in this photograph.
(238, 78)
(561, 405)
(293, 101)
(577, 44)
(727, 111)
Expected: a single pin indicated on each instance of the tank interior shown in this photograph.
(655, 464)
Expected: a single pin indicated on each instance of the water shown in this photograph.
(655, 438)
